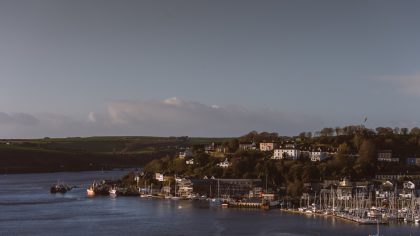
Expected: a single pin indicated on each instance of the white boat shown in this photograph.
(90, 191)
(113, 192)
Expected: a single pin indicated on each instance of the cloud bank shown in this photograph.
(409, 84)
(171, 116)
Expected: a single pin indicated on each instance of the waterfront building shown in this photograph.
(384, 191)
(184, 188)
(226, 187)
(166, 190)
(345, 190)
(408, 190)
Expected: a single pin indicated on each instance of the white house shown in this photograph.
(224, 164)
(408, 189)
(185, 154)
(409, 185)
(189, 162)
(318, 154)
(289, 151)
(159, 177)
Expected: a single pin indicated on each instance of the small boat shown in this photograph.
(59, 188)
(113, 191)
(90, 191)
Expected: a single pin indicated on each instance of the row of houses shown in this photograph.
(346, 190)
(290, 150)
(294, 152)
(387, 156)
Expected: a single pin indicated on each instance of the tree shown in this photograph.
(233, 145)
(295, 188)
(365, 163)
(327, 132)
(154, 166)
(415, 131)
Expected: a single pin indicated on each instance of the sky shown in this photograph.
(206, 68)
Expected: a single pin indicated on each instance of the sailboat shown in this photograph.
(175, 197)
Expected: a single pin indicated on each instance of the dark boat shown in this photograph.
(60, 188)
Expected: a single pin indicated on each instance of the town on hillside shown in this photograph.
(358, 174)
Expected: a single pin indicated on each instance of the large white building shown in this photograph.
(288, 151)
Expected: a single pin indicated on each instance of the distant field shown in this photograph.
(91, 153)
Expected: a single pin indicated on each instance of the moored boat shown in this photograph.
(60, 188)
(113, 191)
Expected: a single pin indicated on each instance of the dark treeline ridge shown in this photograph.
(90, 153)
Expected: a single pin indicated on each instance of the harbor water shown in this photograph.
(28, 208)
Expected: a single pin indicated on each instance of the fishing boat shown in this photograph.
(60, 188)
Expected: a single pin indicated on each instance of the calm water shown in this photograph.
(27, 208)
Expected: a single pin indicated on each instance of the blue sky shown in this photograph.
(206, 68)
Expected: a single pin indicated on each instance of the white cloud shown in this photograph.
(92, 117)
(409, 84)
(178, 117)
(168, 117)
(17, 119)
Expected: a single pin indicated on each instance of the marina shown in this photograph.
(29, 208)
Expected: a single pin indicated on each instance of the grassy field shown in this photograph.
(90, 153)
